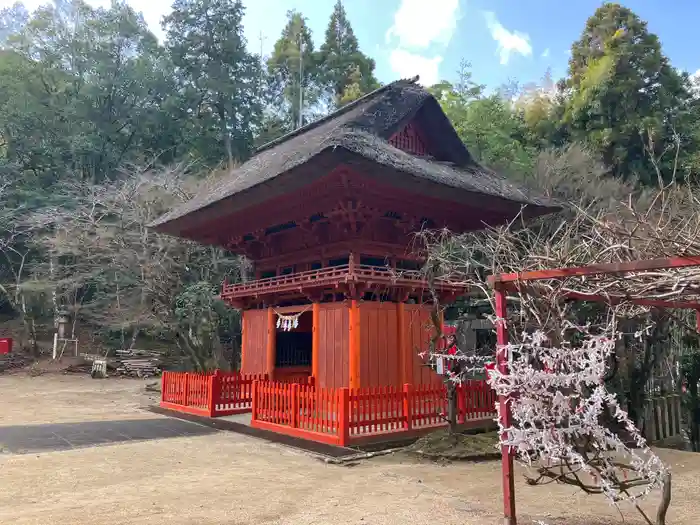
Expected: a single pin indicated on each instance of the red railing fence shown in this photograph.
(340, 416)
(212, 395)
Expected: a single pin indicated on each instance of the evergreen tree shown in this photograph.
(345, 71)
(293, 71)
(222, 79)
(12, 20)
(625, 98)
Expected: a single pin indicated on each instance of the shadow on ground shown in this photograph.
(25, 439)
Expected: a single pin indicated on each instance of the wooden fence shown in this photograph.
(342, 416)
(662, 417)
(211, 395)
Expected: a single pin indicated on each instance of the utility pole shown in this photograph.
(301, 80)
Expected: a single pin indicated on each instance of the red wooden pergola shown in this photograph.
(506, 282)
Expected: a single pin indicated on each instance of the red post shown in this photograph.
(254, 401)
(343, 416)
(186, 393)
(214, 393)
(163, 387)
(506, 454)
(295, 406)
(408, 416)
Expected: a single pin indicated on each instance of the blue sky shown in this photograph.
(504, 40)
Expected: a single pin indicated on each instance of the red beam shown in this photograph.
(656, 303)
(598, 269)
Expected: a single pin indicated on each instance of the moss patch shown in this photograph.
(457, 447)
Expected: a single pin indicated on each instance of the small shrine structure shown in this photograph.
(327, 215)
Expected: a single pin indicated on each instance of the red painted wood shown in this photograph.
(334, 333)
(346, 416)
(504, 409)
(212, 395)
(322, 196)
(380, 358)
(418, 329)
(411, 140)
(255, 342)
(598, 269)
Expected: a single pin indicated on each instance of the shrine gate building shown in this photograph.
(328, 214)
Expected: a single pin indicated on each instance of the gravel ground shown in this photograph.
(230, 479)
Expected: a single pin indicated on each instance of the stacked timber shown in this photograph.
(138, 363)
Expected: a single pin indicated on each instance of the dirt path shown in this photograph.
(230, 479)
(58, 398)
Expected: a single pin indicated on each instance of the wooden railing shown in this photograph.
(328, 276)
(212, 395)
(344, 416)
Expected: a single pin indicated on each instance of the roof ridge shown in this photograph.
(336, 113)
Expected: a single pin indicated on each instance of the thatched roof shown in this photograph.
(363, 128)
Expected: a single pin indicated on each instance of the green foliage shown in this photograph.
(202, 319)
(495, 134)
(344, 70)
(294, 72)
(626, 100)
(12, 20)
(208, 49)
(83, 98)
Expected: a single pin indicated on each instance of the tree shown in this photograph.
(566, 355)
(12, 20)
(344, 70)
(206, 43)
(293, 71)
(87, 90)
(625, 99)
(541, 107)
(494, 133)
(125, 281)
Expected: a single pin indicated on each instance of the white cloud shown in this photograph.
(415, 29)
(508, 41)
(545, 53)
(406, 64)
(416, 26)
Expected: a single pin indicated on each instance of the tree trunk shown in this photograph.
(665, 500)
(227, 137)
(452, 407)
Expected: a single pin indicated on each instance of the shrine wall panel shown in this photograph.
(254, 342)
(418, 329)
(334, 345)
(380, 360)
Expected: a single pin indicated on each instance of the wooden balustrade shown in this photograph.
(330, 276)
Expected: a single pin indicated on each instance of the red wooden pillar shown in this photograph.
(315, 340)
(271, 342)
(214, 393)
(243, 344)
(505, 415)
(354, 346)
(404, 361)
(343, 416)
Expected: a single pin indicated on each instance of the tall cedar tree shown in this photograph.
(206, 42)
(293, 71)
(626, 99)
(345, 71)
